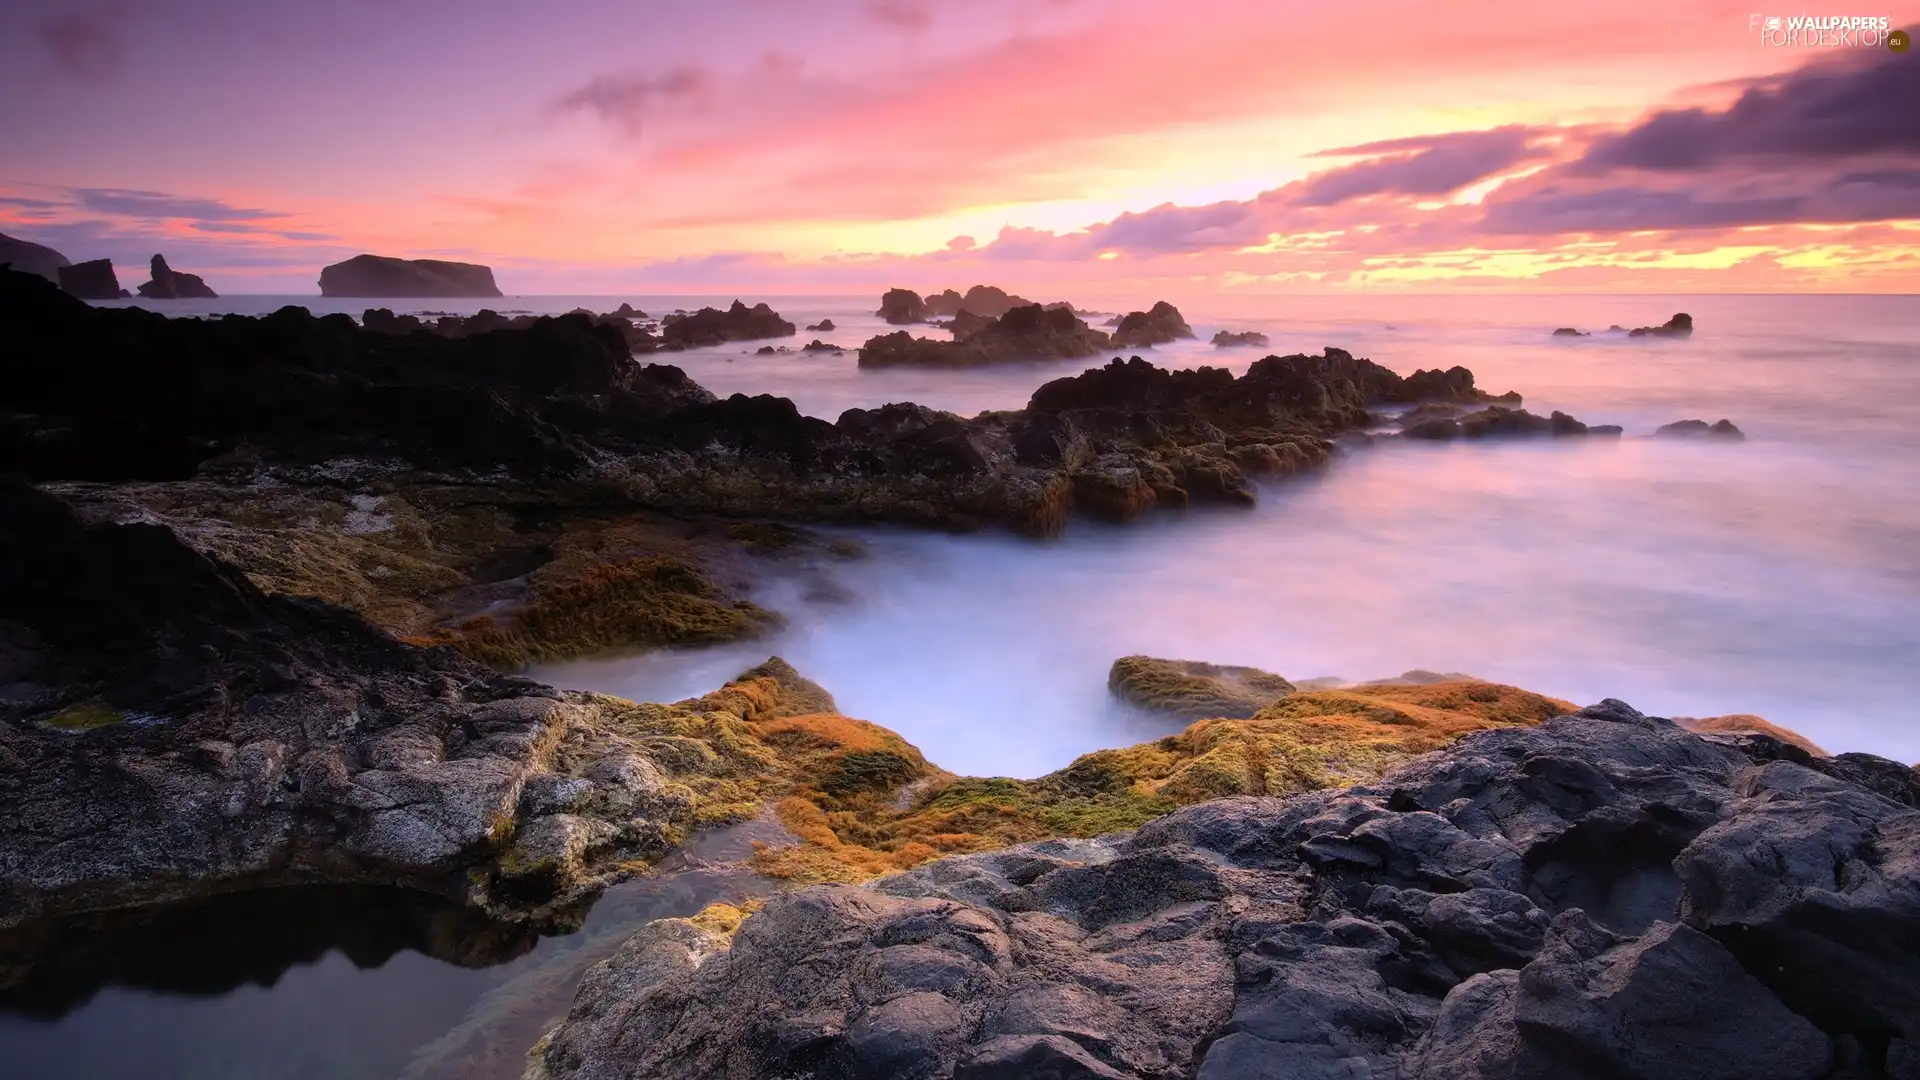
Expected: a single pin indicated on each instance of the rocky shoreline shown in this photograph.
(261, 579)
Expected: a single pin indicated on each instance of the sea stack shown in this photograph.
(170, 284)
(92, 281)
(381, 276)
(32, 258)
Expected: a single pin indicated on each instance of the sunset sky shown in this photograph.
(1098, 146)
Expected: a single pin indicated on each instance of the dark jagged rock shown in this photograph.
(966, 324)
(1700, 429)
(31, 258)
(1022, 334)
(485, 321)
(902, 306)
(824, 326)
(1158, 326)
(1494, 421)
(170, 284)
(171, 731)
(1680, 325)
(1606, 895)
(97, 394)
(1230, 339)
(93, 280)
(711, 326)
(816, 345)
(988, 300)
(628, 311)
(383, 276)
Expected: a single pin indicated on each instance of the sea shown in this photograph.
(1778, 576)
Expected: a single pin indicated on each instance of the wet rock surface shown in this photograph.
(170, 731)
(1605, 895)
(384, 276)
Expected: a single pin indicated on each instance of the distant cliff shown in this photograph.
(32, 258)
(92, 280)
(380, 276)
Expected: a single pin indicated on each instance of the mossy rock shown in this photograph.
(87, 715)
(1192, 689)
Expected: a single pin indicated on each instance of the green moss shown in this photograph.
(86, 716)
(1194, 690)
(869, 770)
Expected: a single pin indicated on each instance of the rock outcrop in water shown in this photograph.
(171, 284)
(1192, 689)
(31, 258)
(1700, 429)
(1603, 895)
(1440, 423)
(93, 280)
(988, 300)
(902, 306)
(1680, 325)
(1157, 326)
(1022, 334)
(381, 276)
(711, 326)
(824, 326)
(1229, 339)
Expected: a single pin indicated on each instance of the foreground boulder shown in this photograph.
(31, 258)
(170, 284)
(1605, 895)
(711, 326)
(1161, 324)
(384, 276)
(92, 280)
(171, 731)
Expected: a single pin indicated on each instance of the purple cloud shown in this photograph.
(1822, 111)
(625, 99)
(912, 16)
(159, 205)
(1431, 165)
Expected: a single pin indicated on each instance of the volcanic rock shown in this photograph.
(1602, 895)
(31, 258)
(170, 284)
(93, 280)
(1022, 334)
(711, 326)
(1158, 326)
(900, 306)
(1228, 339)
(989, 300)
(383, 276)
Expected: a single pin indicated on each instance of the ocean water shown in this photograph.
(1778, 576)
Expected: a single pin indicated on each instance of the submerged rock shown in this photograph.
(1605, 894)
(711, 326)
(1232, 339)
(901, 306)
(93, 280)
(1194, 690)
(1700, 429)
(170, 284)
(1158, 326)
(31, 258)
(384, 276)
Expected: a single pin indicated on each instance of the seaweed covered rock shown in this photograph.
(900, 306)
(1192, 689)
(388, 277)
(171, 284)
(172, 731)
(1157, 326)
(1604, 894)
(711, 326)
